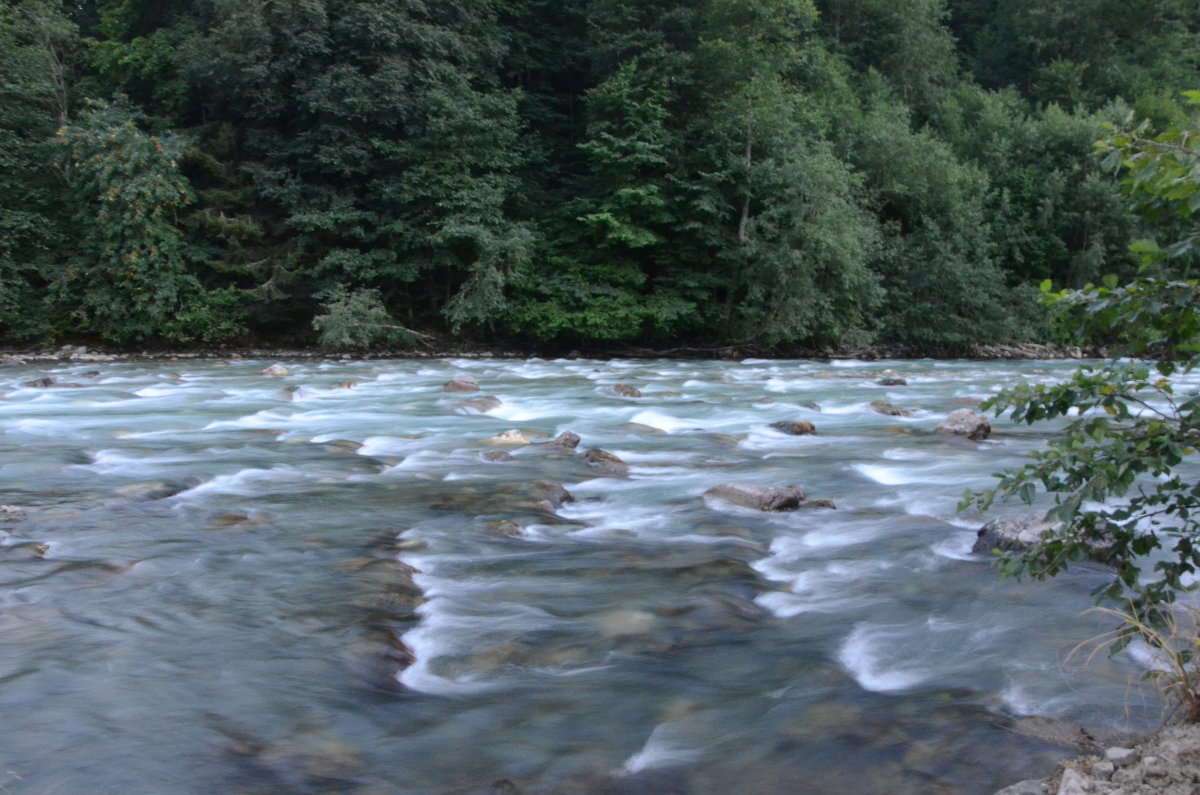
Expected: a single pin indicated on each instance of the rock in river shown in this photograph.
(965, 422)
(1011, 535)
(566, 440)
(760, 498)
(275, 369)
(795, 427)
(461, 383)
(605, 462)
(624, 390)
(890, 409)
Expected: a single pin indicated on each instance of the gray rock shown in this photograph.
(497, 456)
(625, 390)
(808, 404)
(605, 462)
(566, 440)
(1030, 786)
(40, 383)
(890, 409)
(892, 381)
(275, 370)
(1121, 757)
(819, 503)
(964, 422)
(760, 498)
(1155, 767)
(461, 383)
(1103, 770)
(1074, 783)
(553, 493)
(1011, 535)
(795, 427)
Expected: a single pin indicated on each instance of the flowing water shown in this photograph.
(213, 580)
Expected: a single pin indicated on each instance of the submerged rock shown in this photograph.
(276, 370)
(497, 456)
(625, 390)
(964, 422)
(48, 382)
(819, 503)
(760, 498)
(483, 403)
(461, 383)
(892, 381)
(795, 427)
(890, 409)
(605, 462)
(11, 513)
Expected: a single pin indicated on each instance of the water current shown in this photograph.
(214, 580)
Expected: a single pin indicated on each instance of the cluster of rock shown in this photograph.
(1166, 763)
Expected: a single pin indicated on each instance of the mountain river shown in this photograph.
(216, 580)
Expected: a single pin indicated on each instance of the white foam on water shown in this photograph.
(956, 546)
(248, 482)
(389, 446)
(864, 654)
(267, 418)
(114, 462)
(902, 476)
(662, 749)
(525, 412)
(905, 454)
(664, 422)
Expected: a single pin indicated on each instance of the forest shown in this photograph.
(770, 173)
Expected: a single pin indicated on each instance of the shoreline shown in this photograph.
(990, 352)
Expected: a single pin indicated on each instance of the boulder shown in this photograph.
(627, 391)
(964, 422)
(892, 381)
(795, 427)
(605, 462)
(890, 409)
(461, 383)
(808, 404)
(40, 383)
(565, 440)
(276, 370)
(1011, 535)
(760, 498)
(551, 492)
(513, 437)
(497, 456)
(821, 503)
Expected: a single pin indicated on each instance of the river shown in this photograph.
(214, 580)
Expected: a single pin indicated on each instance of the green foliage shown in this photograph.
(356, 320)
(755, 171)
(131, 280)
(1120, 473)
(38, 48)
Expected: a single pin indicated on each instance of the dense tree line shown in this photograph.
(814, 172)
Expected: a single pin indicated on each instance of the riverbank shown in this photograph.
(1165, 762)
(453, 349)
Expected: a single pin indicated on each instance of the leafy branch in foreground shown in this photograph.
(1119, 473)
